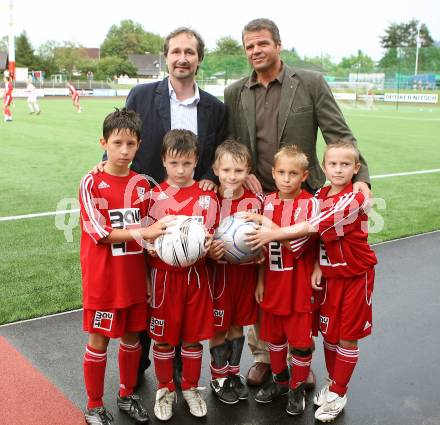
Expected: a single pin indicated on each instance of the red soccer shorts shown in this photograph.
(346, 308)
(296, 328)
(7, 101)
(117, 322)
(75, 98)
(234, 295)
(181, 307)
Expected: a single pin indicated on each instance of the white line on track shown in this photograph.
(75, 211)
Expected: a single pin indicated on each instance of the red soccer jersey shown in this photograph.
(191, 201)
(287, 275)
(72, 90)
(342, 226)
(113, 275)
(248, 202)
(8, 89)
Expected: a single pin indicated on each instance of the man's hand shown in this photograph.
(206, 184)
(252, 183)
(363, 187)
(98, 168)
(216, 250)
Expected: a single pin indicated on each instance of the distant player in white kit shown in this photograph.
(32, 98)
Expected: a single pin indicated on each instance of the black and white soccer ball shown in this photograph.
(232, 231)
(184, 242)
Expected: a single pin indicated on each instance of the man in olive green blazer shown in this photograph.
(275, 106)
(306, 103)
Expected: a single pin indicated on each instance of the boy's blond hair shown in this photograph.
(341, 143)
(293, 151)
(237, 150)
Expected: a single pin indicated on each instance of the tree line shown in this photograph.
(226, 60)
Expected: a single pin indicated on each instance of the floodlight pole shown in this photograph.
(417, 48)
(398, 77)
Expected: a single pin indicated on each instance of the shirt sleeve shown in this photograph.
(93, 210)
(342, 217)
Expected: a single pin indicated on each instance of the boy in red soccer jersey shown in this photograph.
(233, 284)
(284, 291)
(347, 263)
(181, 305)
(7, 99)
(113, 204)
(75, 96)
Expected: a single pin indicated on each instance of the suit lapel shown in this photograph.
(162, 104)
(202, 116)
(287, 94)
(248, 103)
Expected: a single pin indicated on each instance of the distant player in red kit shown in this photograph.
(113, 204)
(347, 264)
(181, 304)
(7, 99)
(75, 96)
(233, 284)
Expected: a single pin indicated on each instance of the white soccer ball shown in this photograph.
(184, 243)
(232, 231)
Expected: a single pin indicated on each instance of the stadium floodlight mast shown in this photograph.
(11, 42)
(417, 47)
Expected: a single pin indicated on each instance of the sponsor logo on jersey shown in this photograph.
(125, 218)
(323, 257)
(323, 324)
(157, 326)
(141, 193)
(103, 185)
(103, 320)
(204, 201)
(218, 317)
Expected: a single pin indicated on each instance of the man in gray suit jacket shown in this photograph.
(279, 105)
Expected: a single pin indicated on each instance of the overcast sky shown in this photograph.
(338, 28)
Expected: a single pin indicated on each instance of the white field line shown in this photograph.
(80, 309)
(76, 210)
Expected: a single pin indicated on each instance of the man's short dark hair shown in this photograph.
(262, 24)
(122, 119)
(180, 143)
(190, 32)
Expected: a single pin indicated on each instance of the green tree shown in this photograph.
(129, 37)
(228, 46)
(404, 34)
(4, 44)
(360, 62)
(45, 57)
(324, 62)
(71, 57)
(111, 65)
(24, 53)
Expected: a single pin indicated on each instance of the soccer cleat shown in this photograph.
(196, 404)
(271, 391)
(163, 407)
(331, 408)
(239, 386)
(321, 395)
(224, 391)
(98, 416)
(296, 401)
(131, 406)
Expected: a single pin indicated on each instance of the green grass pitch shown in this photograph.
(44, 157)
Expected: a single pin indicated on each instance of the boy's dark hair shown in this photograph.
(122, 119)
(180, 143)
(237, 150)
(187, 31)
(262, 24)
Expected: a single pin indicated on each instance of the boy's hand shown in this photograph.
(216, 250)
(206, 184)
(208, 241)
(255, 218)
(261, 257)
(158, 228)
(316, 277)
(150, 248)
(259, 292)
(258, 238)
(98, 168)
